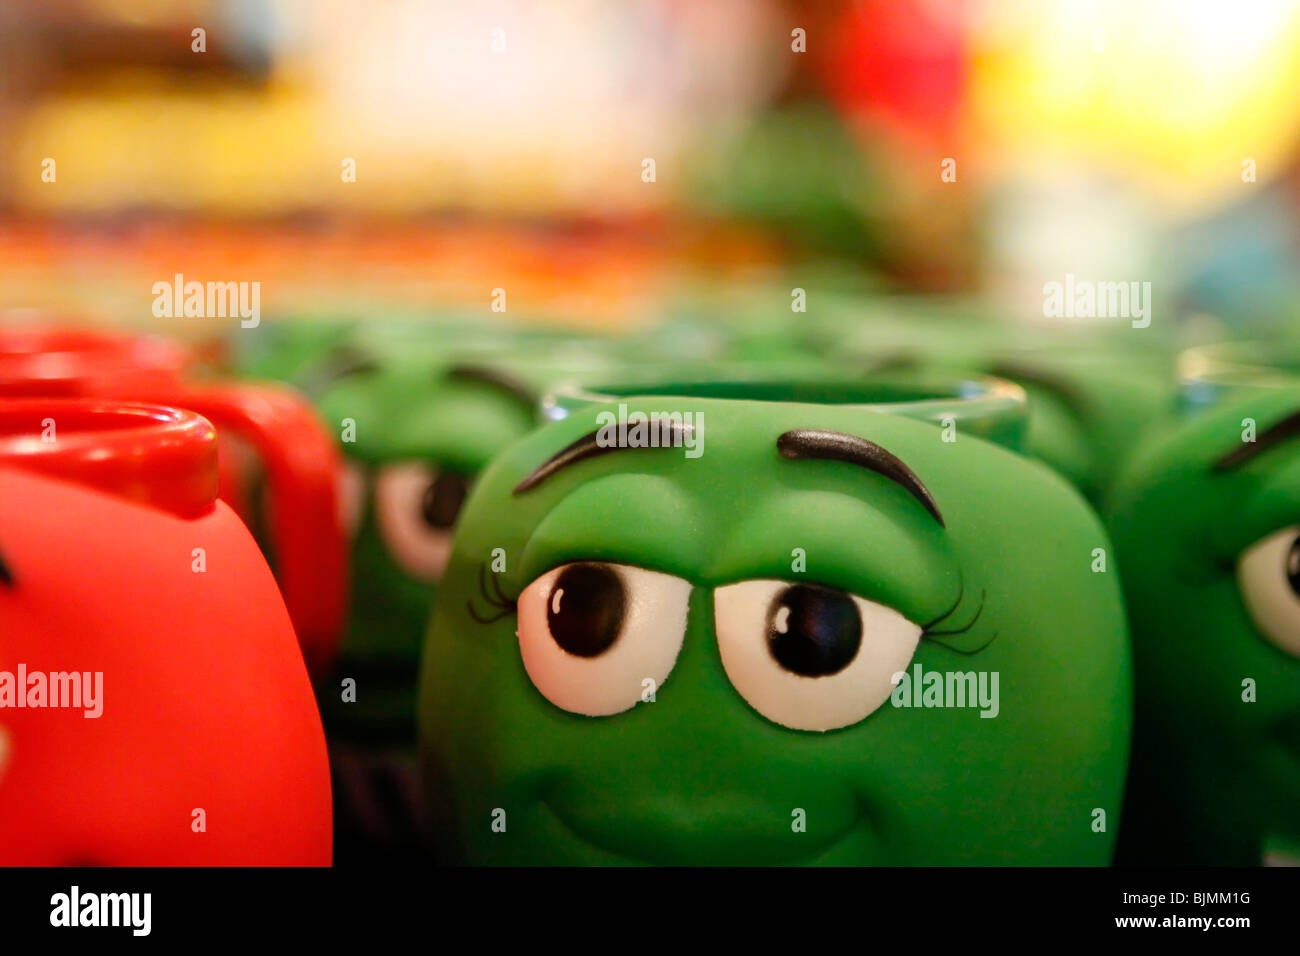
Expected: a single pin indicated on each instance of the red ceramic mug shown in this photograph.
(154, 706)
(300, 458)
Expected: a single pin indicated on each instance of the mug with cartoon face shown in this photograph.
(1206, 523)
(744, 623)
(134, 606)
(283, 432)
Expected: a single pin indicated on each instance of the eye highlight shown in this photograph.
(416, 507)
(592, 634)
(1268, 574)
(810, 657)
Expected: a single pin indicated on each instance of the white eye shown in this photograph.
(1268, 573)
(810, 657)
(596, 637)
(417, 506)
(352, 492)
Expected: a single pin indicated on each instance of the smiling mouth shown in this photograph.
(722, 858)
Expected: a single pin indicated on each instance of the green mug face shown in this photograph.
(782, 632)
(1206, 522)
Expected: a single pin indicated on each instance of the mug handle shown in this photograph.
(302, 465)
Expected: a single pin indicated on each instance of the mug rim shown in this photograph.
(1206, 374)
(33, 357)
(155, 455)
(999, 405)
(1243, 362)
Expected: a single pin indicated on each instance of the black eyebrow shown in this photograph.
(1270, 437)
(588, 447)
(837, 446)
(6, 576)
(497, 379)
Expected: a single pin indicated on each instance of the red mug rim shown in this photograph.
(152, 454)
(37, 360)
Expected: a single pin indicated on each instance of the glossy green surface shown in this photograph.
(1092, 392)
(411, 399)
(698, 775)
(1215, 776)
(404, 414)
(987, 408)
(406, 422)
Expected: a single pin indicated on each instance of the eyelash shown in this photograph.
(504, 604)
(928, 632)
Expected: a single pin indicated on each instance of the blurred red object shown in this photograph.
(900, 64)
(300, 458)
(175, 724)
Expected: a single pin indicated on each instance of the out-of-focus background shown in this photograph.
(599, 159)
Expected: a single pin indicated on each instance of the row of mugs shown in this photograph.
(494, 741)
(638, 652)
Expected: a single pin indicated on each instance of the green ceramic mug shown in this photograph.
(713, 649)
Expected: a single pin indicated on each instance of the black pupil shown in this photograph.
(443, 498)
(1293, 565)
(813, 631)
(585, 611)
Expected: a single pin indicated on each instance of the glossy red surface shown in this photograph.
(207, 748)
(39, 360)
(155, 455)
(299, 457)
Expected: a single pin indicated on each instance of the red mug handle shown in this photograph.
(302, 465)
